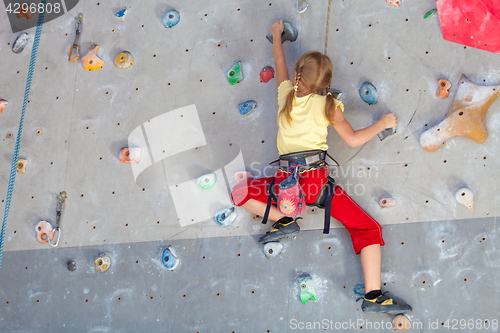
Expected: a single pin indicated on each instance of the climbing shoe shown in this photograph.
(285, 227)
(383, 304)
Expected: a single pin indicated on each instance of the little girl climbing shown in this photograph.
(303, 119)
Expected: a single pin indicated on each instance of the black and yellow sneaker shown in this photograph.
(285, 227)
(382, 304)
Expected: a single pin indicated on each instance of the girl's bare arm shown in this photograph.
(356, 138)
(279, 55)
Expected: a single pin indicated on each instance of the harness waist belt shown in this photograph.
(306, 158)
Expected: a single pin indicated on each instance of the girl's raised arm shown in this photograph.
(279, 55)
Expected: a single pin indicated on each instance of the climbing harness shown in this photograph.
(61, 198)
(74, 47)
(13, 169)
(304, 161)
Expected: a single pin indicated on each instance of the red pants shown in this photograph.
(363, 228)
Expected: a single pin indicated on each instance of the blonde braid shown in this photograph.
(297, 79)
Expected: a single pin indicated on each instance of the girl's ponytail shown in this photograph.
(329, 106)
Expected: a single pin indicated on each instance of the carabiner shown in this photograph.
(58, 231)
(74, 47)
(61, 197)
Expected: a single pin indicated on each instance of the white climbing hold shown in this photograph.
(465, 196)
(272, 249)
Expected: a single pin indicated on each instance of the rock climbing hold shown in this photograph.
(337, 94)
(368, 93)
(289, 33)
(26, 13)
(225, 217)
(91, 61)
(395, 3)
(247, 107)
(21, 42)
(124, 60)
(266, 74)
(430, 13)
(169, 259)
(3, 104)
(443, 88)
(122, 14)
(302, 6)
(465, 196)
(401, 323)
(387, 202)
(171, 18)
(71, 265)
(466, 115)
(234, 75)
(387, 132)
(44, 232)
(272, 249)
(471, 23)
(21, 165)
(307, 291)
(256, 217)
(130, 155)
(102, 263)
(243, 176)
(207, 181)
(359, 290)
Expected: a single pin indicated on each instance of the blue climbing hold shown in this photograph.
(168, 259)
(368, 93)
(359, 290)
(171, 18)
(247, 107)
(122, 14)
(225, 217)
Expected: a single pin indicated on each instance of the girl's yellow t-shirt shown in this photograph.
(309, 126)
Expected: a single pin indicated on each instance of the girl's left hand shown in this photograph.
(389, 120)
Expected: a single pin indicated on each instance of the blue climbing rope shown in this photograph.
(13, 168)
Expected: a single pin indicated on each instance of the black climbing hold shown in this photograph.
(71, 265)
(289, 33)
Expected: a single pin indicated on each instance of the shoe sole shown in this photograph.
(276, 237)
(391, 312)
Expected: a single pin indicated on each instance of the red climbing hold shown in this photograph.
(266, 74)
(472, 23)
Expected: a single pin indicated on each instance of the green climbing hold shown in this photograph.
(234, 75)
(430, 13)
(307, 291)
(207, 181)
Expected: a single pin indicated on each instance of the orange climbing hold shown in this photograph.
(401, 323)
(44, 232)
(395, 3)
(466, 115)
(130, 155)
(91, 61)
(3, 104)
(443, 88)
(28, 14)
(387, 202)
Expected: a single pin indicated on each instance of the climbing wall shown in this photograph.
(439, 256)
